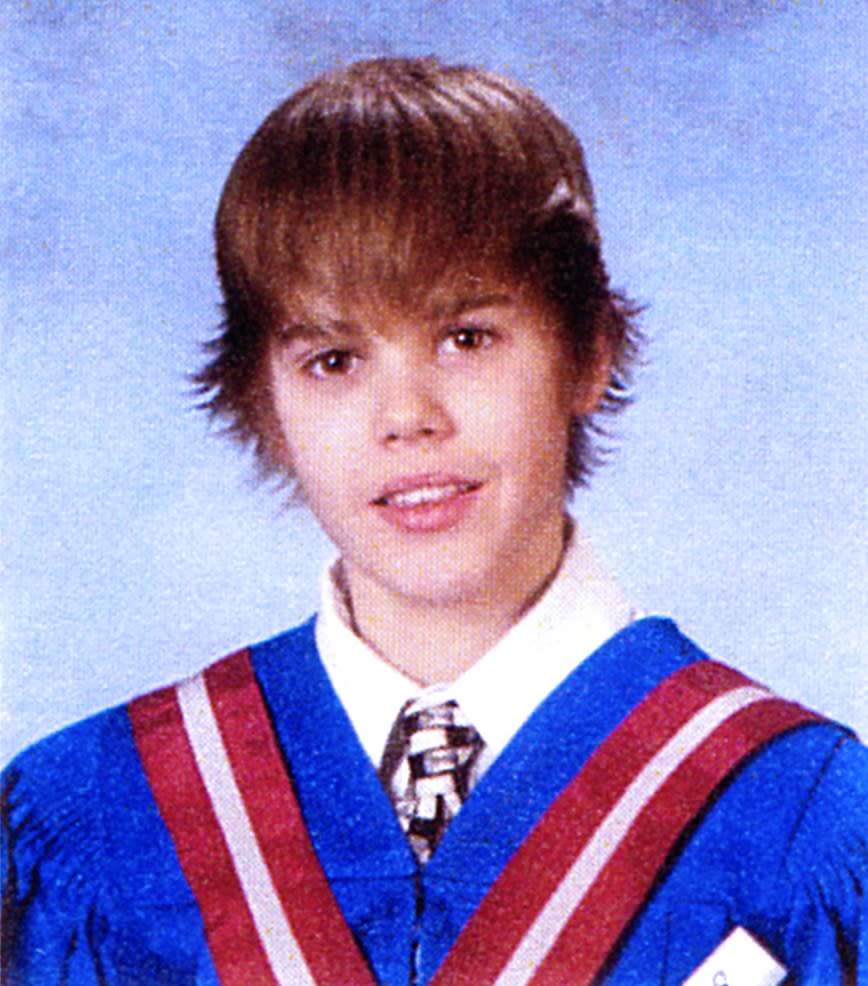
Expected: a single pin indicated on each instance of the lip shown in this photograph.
(427, 503)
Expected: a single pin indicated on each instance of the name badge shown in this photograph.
(739, 960)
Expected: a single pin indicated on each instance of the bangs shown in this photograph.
(393, 175)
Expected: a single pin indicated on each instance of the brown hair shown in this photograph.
(388, 175)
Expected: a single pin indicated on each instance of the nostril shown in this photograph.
(423, 431)
(411, 414)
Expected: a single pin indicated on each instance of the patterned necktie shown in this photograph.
(426, 770)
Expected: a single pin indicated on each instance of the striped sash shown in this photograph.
(558, 909)
(213, 764)
(552, 917)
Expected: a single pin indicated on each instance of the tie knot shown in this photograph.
(426, 769)
(435, 743)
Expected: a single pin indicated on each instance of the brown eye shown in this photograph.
(467, 339)
(331, 363)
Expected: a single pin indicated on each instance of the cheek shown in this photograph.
(534, 424)
(315, 437)
(326, 495)
(319, 464)
(327, 464)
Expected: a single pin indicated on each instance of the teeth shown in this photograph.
(426, 494)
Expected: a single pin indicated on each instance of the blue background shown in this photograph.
(727, 142)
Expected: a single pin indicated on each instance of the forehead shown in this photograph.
(380, 311)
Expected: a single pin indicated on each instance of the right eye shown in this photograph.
(331, 363)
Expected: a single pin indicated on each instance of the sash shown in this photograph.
(217, 775)
(561, 904)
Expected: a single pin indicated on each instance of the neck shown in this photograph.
(436, 642)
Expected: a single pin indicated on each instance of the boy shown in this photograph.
(476, 765)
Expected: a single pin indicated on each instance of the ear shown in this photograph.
(593, 380)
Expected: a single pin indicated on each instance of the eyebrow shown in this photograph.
(339, 329)
(328, 329)
(454, 307)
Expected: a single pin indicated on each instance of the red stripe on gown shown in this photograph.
(202, 851)
(331, 952)
(536, 870)
(622, 887)
(320, 930)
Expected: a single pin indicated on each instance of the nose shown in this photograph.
(410, 408)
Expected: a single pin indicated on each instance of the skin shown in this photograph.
(431, 446)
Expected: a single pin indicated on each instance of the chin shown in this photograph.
(444, 589)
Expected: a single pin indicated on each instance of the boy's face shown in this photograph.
(431, 444)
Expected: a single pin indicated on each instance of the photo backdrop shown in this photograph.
(727, 142)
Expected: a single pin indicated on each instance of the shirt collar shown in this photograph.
(578, 612)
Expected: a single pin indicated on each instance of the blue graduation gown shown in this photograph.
(95, 893)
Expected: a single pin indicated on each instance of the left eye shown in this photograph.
(331, 363)
(467, 339)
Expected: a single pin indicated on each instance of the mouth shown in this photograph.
(428, 504)
(424, 492)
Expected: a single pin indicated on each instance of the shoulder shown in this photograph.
(782, 847)
(817, 775)
(65, 789)
(57, 799)
(799, 785)
(828, 850)
(63, 770)
(88, 864)
(795, 797)
(815, 800)
(86, 851)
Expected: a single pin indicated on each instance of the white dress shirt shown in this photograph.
(581, 609)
